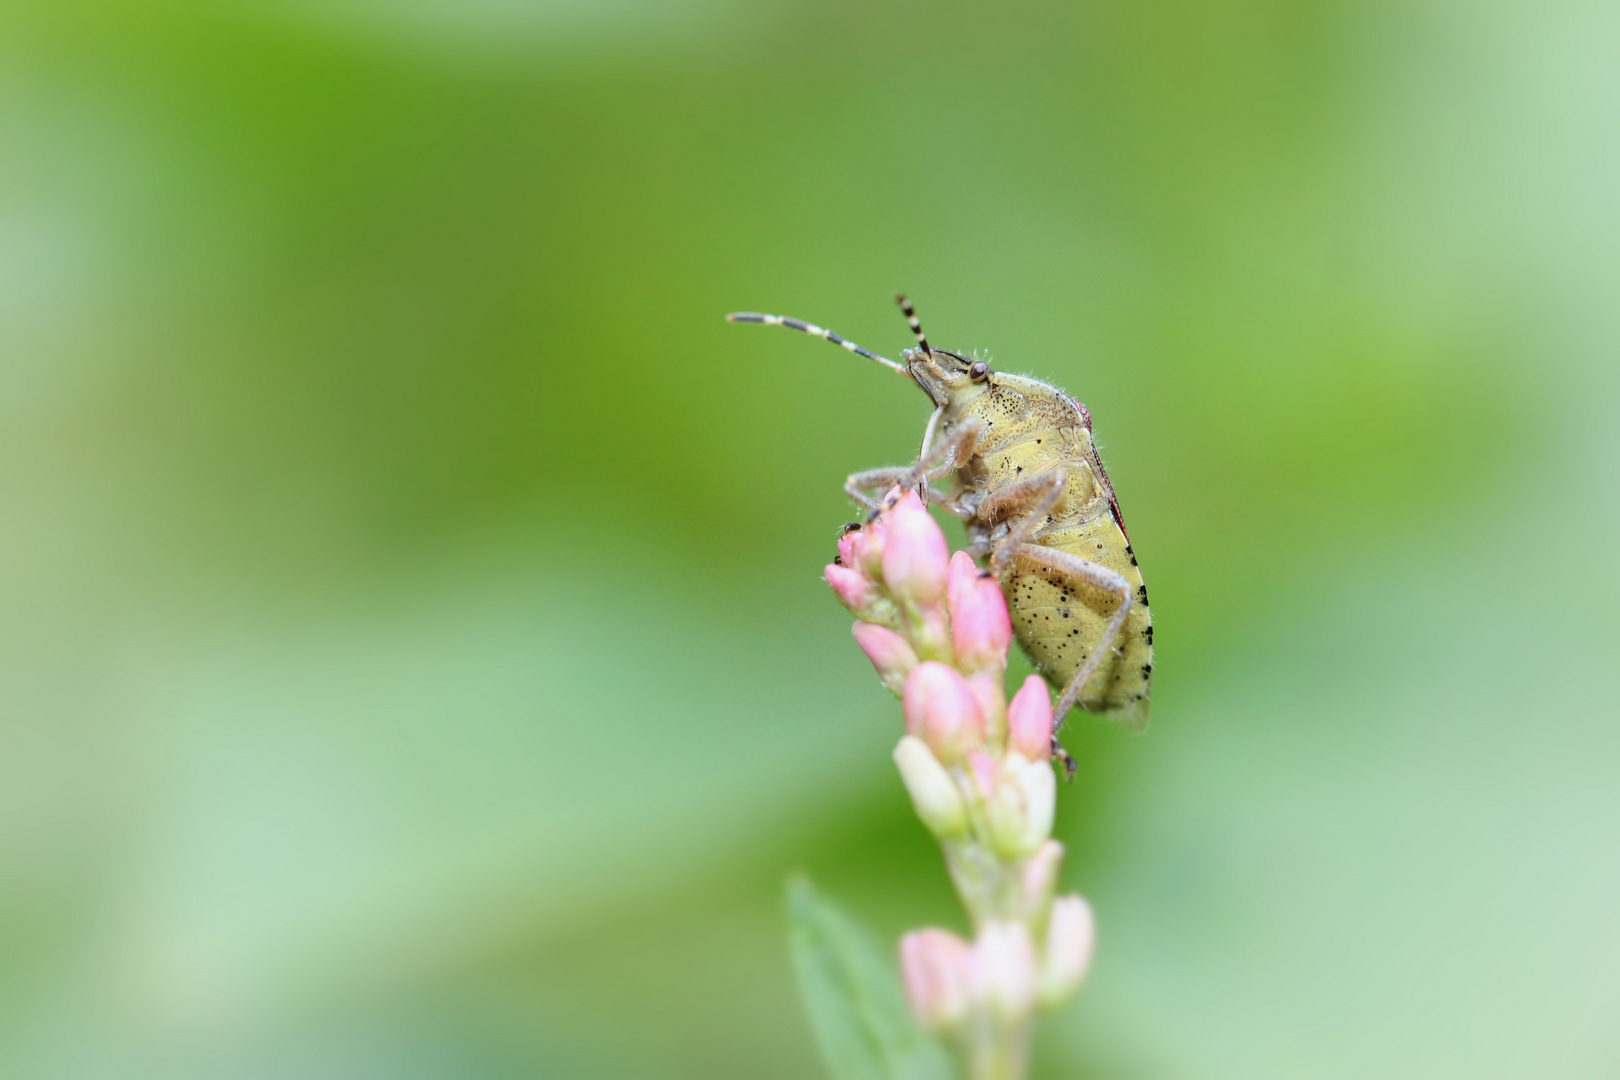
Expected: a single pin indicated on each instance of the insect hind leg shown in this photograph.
(1103, 578)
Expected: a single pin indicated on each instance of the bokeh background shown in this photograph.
(414, 658)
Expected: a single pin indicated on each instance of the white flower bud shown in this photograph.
(1020, 807)
(1070, 934)
(1004, 960)
(1040, 876)
(934, 795)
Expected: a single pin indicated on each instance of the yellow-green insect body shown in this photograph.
(1026, 479)
(1030, 429)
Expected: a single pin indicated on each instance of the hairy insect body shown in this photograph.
(1030, 488)
(1030, 430)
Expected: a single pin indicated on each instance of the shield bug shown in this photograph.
(1024, 476)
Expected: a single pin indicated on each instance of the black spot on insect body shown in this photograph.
(1017, 469)
(1148, 634)
(1147, 669)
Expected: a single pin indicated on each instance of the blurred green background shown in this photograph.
(414, 658)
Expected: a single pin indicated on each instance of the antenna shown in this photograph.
(911, 318)
(815, 331)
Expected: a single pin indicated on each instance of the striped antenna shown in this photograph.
(809, 328)
(911, 319)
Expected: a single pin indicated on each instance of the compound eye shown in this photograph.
(979, 371)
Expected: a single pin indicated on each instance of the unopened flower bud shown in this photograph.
(1039, 786)
(961, 572)
(934, 795)
(1004, 960)
(992, 698)
(1040, 876)
(1020, 805)
(980, 630)
(983, 768)
(862, 549)
(937, 972)
(930, 628)
(890, 653)
(915, 558)
(1029, 720)
(849, 545)
(1070, 934)
(853, 589)
(941, 709)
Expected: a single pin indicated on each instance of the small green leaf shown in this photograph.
(852, 991)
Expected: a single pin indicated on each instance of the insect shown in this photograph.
(1025, 478)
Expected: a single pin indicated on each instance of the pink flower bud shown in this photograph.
(851, 587)
(862, 549)
(961, 573)
(937, 971)
(992, 698)
(889, 652)
(915, 558)
(1029, 720)
(1008, 976)
(980, 630)
(1070, 934)
(849, 544)
(940, 709)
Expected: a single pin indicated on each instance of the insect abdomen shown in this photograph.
(1058, 618)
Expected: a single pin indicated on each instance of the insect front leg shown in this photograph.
(938, 459)
(942, 456)
(1103, 578)
(858, 484)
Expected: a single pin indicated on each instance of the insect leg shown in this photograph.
(1045, 488)
(858, 484)
(939, 457)
(1103, 578)
(928, 432)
